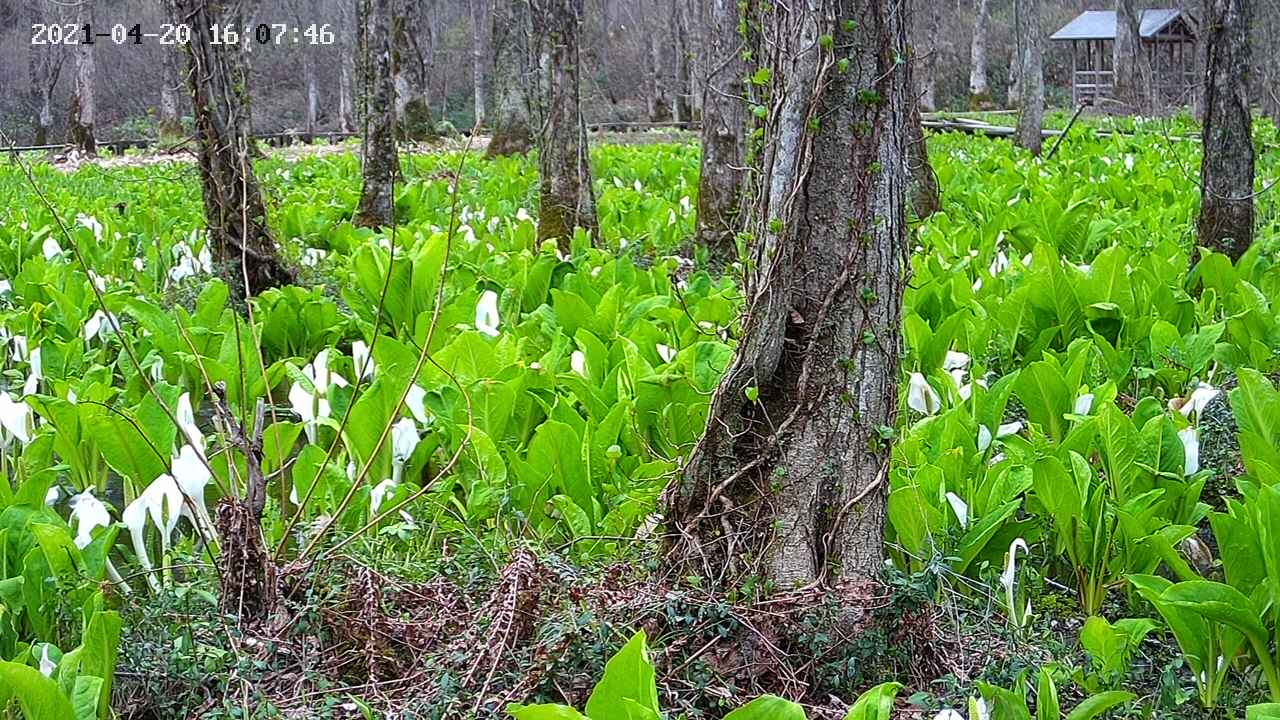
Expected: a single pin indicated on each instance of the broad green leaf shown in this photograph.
(876, 703)
(628, 675)
(544, 712)
(37, 696)
(1095, 705)
(768, 707)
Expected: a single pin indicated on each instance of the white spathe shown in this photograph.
(89, 514)
(487, 313)
(192, 476)
(921, 396)
(1190, 450)
(1199, 400)
(578, 363)
(16, 418)
(186, 417)
(47, 666)
(311, 407)
(404, 438)
(50, 248)
(1084, 404)
(360, 358)
(666, 352)
(960, 508)
(984, 438)
(1008, 429)
(100, 325)
(379, 493)
(416, 401)
(1009, 577)
(948, 715)
(52, 495)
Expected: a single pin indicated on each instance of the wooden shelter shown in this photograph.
(1168, 38)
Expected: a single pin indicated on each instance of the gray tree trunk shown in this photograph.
(684, 49)
(1270, 21)
(658, 109)
(924, 52)
(1031, 115)
(564, 163)
(724, 132)
(479, 60)
(83, 106)
(234, 213)
(1226, 171)
(513, 75)
(169, 122)
(1132, 67)
(789, 482)
(979, 89)
(1202, 60)
(43, 69)
(378, 144)
(346, 105)
(310, 121)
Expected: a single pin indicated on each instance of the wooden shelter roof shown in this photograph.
(1101, 25)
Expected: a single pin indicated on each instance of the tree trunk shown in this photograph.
(378, 145)
(925, 52)
(409, 74)
(1226, 171)
(683, 105)
(1202, 60)
(80, 122)
(479, 57)
(979, 90)
(346, 105)
(513, 75)
(925, 196)
(1132, 67)
(313, 95)
(724, 131)
(1031, 117)
(43, 69)
(236, 217)
(1270, 12)
(169, 123)
(658, 110)
(564, 163)
(789, 482)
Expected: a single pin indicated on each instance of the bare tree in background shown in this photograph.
(480, 57)
(512, 76)
(234, 212)
(724, 130)
(564, 162)
(346, 105)
(1131, 64)
(378, 144)
(924, 51)
(168, 122)
(80, 121)
(1227, 168)
(979, 89)
(43, 67)
(410, 71)
(1270, 30)
(1031, 110)
(684, 37)
(789, 482)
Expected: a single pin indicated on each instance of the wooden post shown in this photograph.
(1075, 89)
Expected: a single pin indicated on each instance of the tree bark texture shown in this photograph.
(1227, 168)
(1031, 92)
(979, 89)
(927, 17)
(513, 76)
(788, 483)
(44, 64)
(1132, 67)
(346, 104)
(480, 70)
(169, 123)
(1270, 22)
(80, 122)
(234, 211)
(381, 164)
(724, 133)
(564, 163)
(684, 51)
(409, 74)
(925, 196)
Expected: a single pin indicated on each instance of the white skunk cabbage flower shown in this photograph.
(578, 362)
(32, 384)
(523, 215)
(1190, 450)
(311, 407)
(416, 401)
(186, 417)
(1084, 404)
(19, 343)
(361, 359)
(16, 419)
(379, 493)
(311, 257)
(162, 503)
(404, 438)
(100, 325)
(47, 666)
(1198, 400)
(966, 390)
(984, 438)
(139, 264)
(6, 287)
(487, 313)
(999, 264)
(665, 352)
(92, 223)
(948, 714)
(1009, 579)
(193, 476)
(921, 396)
(50, 248)
(52, 495)
(89, 514)
(960, 508)
(956, 364)
(1008, 429)
(978, 709)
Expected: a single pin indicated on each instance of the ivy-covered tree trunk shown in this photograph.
(789, 482)
(564, 164)
(234, 212)
(979, 89)
(513, 75)
(724, 131)
(81, 120)
(381, 160)
(1031, 90)
(1227, 168)
(1132, 67)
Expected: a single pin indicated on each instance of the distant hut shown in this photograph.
(1168, 38)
